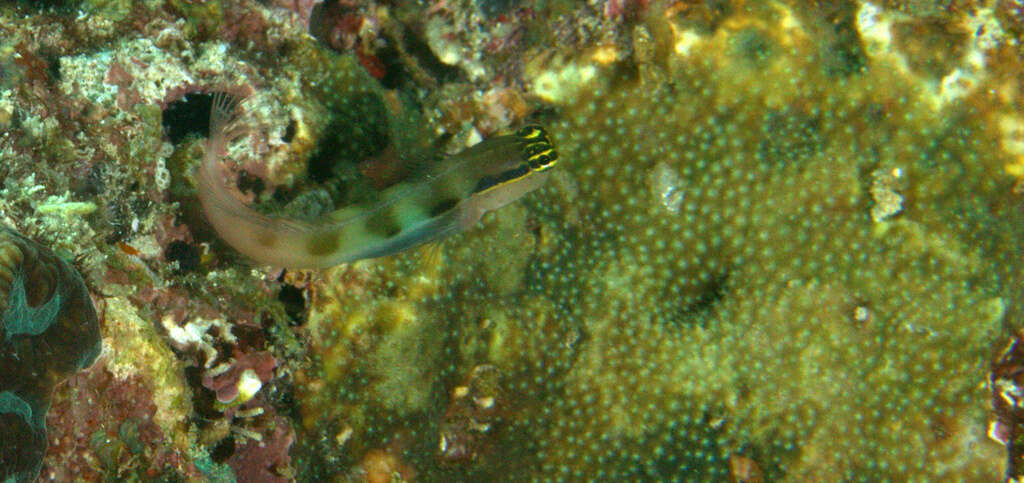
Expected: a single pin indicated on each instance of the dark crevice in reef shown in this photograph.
(223, 450)
(186, 254)
(396, 75)
(187, 116)
(294, 302)
(203, 401)
(290, 131)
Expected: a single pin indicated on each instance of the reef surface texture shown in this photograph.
(783, 241)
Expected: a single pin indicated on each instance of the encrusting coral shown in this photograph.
(706, 289)
(48, 330)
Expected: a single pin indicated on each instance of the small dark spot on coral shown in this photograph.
(713, 292)
(294, 304)
(284, 397)
(285, 49)
(224, 450)
(695, 311)
(289, 132)
(187, 116)
(223, 350)
(53, 67)
(92, 184)
(186, 254)
(17, 120)
(203, 400)
(267, 322)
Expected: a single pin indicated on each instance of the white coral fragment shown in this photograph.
(888, 202)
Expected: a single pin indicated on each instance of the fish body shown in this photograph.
(449, 197)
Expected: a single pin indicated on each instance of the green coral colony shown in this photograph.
(783, 243)
(49, 330)
(712, 288)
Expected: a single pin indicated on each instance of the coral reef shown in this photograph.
(767, 255)
(49, 330)
(782, 241)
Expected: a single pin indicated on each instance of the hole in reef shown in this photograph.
(186, 254)
(294, 304)
(289, 131)
(187, 116)
(224, 449)
(320, 166)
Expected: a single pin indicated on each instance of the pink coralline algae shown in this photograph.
(238, 382)
(114, 434)
(267, 459)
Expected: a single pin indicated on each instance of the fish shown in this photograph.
(448, 197)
